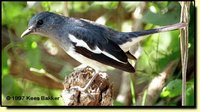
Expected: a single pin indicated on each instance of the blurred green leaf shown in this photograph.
(33, 52)
(10, 11)
(34, 45)
(170, 17)
(46, 5)
(159, 49)
(130, 5)
(10, 86)
(107, 5)
(5, 59)
(33, 58)
(79, 6)
(172, 89)
(133, 92)
(117, 103)
(190, 93)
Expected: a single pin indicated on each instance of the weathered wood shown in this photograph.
(98, 94)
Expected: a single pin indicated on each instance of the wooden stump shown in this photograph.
(98, 94)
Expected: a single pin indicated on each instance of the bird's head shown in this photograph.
(43, 24)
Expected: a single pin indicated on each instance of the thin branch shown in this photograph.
(65, 10)
(19, 69)
(185, 7)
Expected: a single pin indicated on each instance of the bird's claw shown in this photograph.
(78, 88)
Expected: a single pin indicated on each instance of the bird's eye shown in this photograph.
(40, 22)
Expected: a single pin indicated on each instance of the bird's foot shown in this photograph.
(94, 75)
(79, 88)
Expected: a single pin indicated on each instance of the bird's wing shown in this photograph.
(93, 44)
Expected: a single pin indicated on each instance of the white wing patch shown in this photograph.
(126, 46)
(81, 43)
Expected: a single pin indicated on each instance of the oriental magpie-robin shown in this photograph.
(88, 42)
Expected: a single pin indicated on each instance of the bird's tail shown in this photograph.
(126, 39)
(157, 30)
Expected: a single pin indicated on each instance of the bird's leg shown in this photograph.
(94, 75)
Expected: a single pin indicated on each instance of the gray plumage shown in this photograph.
(87, 41)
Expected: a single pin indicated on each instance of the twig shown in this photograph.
(124, 92)
(144, 97)
(133, 91)
(65, 10)
(18, 69)
(137, 16)
(185, 8)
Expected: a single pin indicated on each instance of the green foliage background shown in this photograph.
(159, 49)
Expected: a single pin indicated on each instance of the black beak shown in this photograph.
(28, 31)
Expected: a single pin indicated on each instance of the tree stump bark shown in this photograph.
(98, 94)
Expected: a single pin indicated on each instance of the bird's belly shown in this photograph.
(86, 61)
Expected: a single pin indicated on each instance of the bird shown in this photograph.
(90, 43)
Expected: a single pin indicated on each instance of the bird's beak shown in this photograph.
(28, 31)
